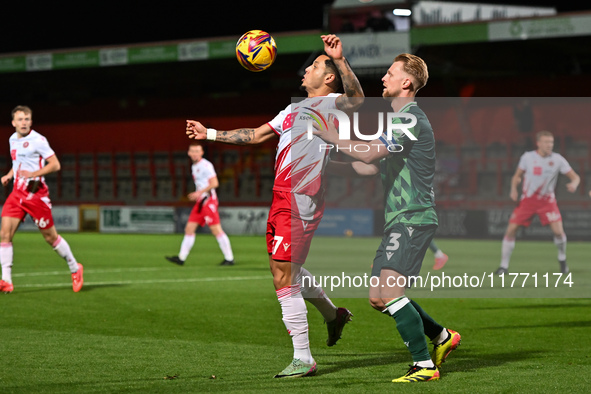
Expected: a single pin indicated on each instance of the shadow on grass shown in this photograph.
(102, 286)
(459, 362)
(356, 360)
(466, 360)
(19, 290)
(471, 361)
(61, 288)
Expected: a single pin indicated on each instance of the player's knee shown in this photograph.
(510, 232)
(281, 279)
(5, 236)
(280, 283)
(377, 304)
(559, 234)
(281, 275)
(7, 229)
(50, 238)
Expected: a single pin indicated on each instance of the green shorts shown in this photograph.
(403, 249)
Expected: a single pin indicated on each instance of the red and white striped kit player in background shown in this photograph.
(539, 170)
(205, 210)
(30, 152)
(298, 201)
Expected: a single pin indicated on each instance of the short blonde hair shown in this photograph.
(22, 108)
(543, 133)
(416, 67)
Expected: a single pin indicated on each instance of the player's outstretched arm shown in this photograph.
(353, 96)
(244, 136)
(213, 184)
(6, 178)
(53, 165)
(575, 179)
(368, 153)
(515, 181)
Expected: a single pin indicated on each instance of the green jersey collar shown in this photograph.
(407, 106)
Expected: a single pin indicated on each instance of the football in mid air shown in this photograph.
(256, 50)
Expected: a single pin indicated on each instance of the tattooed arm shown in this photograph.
(353, 97)
(242, 136)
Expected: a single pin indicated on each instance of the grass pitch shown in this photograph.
(144, 325)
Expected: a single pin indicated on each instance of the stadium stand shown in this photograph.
(477, 163)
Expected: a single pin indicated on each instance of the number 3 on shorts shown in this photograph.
(393, 244)
(277, 239)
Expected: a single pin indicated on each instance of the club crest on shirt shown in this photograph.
(25, 144)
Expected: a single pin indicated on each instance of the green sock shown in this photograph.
(431, 327)
(433, 246)
(410, 327)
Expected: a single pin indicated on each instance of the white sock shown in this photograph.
(303, 354)
(314, 294)
(225, 246)
(425, 364)
(6, 253)
(506, 251)
(439, 253)
(560, 243)
(395, 305)
(293, 308)
(441, 337)
(63, 250)
(186, 246)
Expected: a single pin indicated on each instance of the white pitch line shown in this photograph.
(134, 282)
(91, 271)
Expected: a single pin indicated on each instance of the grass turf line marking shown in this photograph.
(91, 271)
(134, 282)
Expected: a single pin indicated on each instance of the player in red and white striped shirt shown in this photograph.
(32, 158)
(205, 210)
(539, 170)
(298, 195)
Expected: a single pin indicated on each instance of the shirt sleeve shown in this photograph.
(390, 143)
(523, 162)
(44, 149)
(278, 122)
(400, 140)
(564, 166)
(209, 171)
(331, 100)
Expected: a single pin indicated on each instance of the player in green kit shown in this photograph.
(406, 164)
